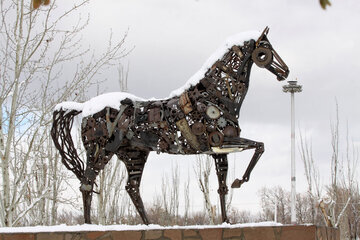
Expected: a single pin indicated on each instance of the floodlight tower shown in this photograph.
(292, 88)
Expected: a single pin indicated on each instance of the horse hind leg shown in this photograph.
(87, 189)
(135, 162)
(87, 183)
(221, 165)
(96, 161)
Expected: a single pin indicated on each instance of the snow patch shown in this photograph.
(93, 227)
(98, 103)
(113, 99)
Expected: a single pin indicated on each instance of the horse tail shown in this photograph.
(61, 135)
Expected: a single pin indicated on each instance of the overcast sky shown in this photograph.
(173, 38)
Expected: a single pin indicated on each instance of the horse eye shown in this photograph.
(265, 44)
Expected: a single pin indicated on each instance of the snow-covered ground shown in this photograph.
(92, 227)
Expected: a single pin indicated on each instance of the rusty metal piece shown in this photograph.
(210, 128)
(163, 125)
(129, 111)
(123, 122)
(237, 50)
(163, 145)
(228, 87)
(122, 155)
(100, 130)
(212, 90)
(230, 131)
(89, 135)
(150, 138)
(262, 56)
(141, 118)
(215, 138)
(127, 101)
(116, 142)
(166, 138)
(180, 115)
(129, 134)
(198, 128)
(91, 122)
(154, 115)
(194, 94)
(185, 130)
(213, 112)
(196, 116)
(200, 107)
(185, 103)
(172, 103)
(240, 87)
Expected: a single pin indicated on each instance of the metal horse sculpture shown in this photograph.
(202, 120)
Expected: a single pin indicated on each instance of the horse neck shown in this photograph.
(227, 81)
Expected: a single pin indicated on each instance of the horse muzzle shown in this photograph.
(278, 67)
(266, 57)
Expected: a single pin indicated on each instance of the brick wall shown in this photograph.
(245, 233)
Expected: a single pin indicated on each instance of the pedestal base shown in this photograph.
(299, 232)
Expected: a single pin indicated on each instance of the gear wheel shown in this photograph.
(213, 112)
(262, 56)
(221, 122)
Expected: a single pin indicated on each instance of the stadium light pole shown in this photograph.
(292, 88)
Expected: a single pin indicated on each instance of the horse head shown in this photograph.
(265, 56)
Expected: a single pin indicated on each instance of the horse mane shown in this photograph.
(219, 54)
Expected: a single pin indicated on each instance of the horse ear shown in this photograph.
(264, 33)
(266, 30)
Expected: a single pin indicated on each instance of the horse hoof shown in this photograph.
(236, 183)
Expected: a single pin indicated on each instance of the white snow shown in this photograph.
(93, 227)
(113, 99)
(98, 103)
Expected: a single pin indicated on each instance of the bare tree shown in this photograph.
(36, 45)
(312, 177)
(237, 216)
(170, 195)
(339, 202)
(202, 171)
(350, 185)
(111, 184)
(340, 178)
(275, 197)
(186, 200)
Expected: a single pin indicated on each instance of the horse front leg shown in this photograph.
(135, 163)
(259, 150)
(221, 166)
